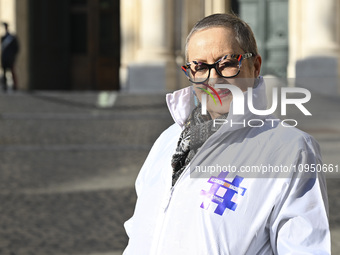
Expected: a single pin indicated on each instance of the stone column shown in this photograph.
(22, 62)
(156, 26)
(216, 6)
(129, 23)
(154, 70)
(314, 44)
(295, 24)
(320, 33)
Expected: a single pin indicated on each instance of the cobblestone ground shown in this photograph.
(67, 168)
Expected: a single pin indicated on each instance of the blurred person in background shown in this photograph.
(9, 51)
(227, 212)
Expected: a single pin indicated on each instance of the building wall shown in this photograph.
(7, 13)
(154, 32)
(14, 12)
(153, 40)
(314, 57)
(313, 33)
(21, 11)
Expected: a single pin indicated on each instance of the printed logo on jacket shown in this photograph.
(223, 193)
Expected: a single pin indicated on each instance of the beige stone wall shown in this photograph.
(150, 27)
(129, 25)
(15, 13)
(147, 34)
(7, 13)
(295, 24)
(22, 33)
(314, 31)
(216, 6)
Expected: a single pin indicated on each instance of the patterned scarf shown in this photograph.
(197, 130)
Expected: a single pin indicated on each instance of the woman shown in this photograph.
(193, 197)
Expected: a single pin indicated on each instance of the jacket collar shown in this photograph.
(181, 103)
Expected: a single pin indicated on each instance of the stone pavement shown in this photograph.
(67, 167)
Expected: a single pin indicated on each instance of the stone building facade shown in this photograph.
(66, 46)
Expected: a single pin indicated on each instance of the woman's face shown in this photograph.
(208, 46)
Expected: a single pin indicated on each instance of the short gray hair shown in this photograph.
(243, 33)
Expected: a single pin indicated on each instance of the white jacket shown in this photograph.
(230, 213)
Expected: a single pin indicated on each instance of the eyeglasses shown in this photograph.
(227, 67)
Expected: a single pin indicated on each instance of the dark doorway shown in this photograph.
(234, 6)
(74, 44)
(95, 44)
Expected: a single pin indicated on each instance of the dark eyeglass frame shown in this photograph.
(239, 57)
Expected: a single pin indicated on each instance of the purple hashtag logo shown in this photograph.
(223, 193)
